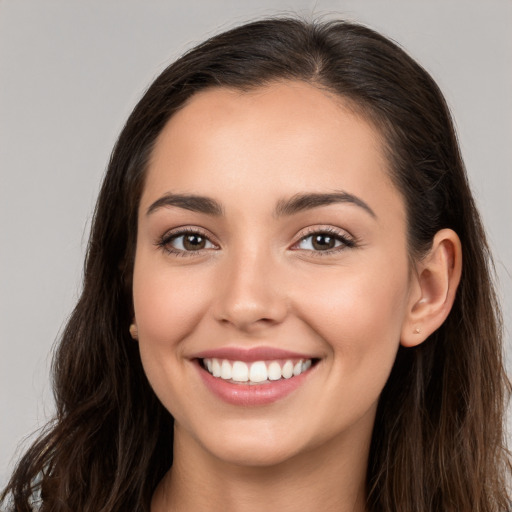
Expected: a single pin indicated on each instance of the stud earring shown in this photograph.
(134, 333)
(417, 330)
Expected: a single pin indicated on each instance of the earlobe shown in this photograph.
(134, 333)
(433, 291)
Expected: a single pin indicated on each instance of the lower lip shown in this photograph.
(252, 394)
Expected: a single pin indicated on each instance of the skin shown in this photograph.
(258, 281)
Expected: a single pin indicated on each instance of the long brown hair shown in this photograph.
(438, 442)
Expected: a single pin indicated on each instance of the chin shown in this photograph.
(255, 454)
(252, 447)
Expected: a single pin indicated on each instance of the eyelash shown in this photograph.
(347, 242)
(165, 240)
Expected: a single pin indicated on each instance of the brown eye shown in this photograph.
(194, 242)
(187, 242)
(323, 242)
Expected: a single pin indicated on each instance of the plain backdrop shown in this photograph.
(70, 73)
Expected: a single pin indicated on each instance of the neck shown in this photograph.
(329, 477)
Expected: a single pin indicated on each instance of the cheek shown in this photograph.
(360, 318)
(168, 303)
(357, 301)
(168, 306)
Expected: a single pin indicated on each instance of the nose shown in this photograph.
(251, 295)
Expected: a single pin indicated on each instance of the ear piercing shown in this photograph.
(134, 333)
(417, 330)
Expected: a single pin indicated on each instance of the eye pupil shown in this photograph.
(323, 242)
(194, 242)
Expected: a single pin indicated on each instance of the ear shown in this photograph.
(134, 332)
(434, 284)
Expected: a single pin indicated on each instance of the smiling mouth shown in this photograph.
(256, 372)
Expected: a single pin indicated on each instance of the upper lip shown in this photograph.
(250, 354)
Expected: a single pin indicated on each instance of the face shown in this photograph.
(271, 276)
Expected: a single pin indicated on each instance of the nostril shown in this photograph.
(248, 320)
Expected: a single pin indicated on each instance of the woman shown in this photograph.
(287, 299)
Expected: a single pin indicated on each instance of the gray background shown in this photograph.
(71, 71)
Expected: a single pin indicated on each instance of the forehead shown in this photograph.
(282, 138)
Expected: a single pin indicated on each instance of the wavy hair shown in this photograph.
(438, 443)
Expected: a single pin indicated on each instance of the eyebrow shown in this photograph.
(284, 207)
(191, 202)
(301, 202)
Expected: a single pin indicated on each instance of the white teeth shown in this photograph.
(274, 371)
(225, 370)
(256, 372)
(240, 371)
(287, 369)
(216, 368)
